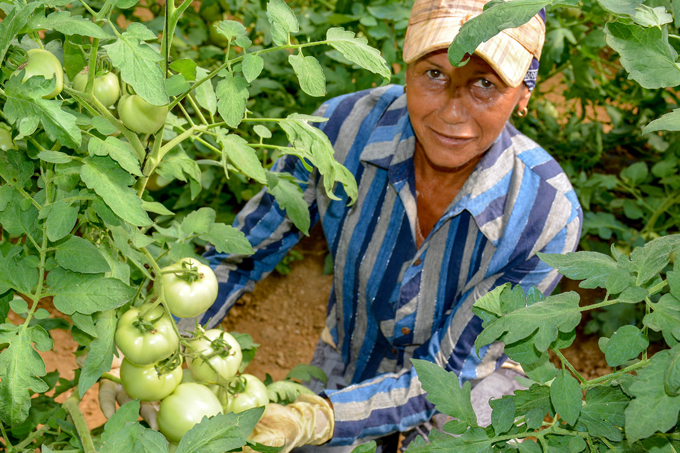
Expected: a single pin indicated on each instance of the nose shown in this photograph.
(452, 110)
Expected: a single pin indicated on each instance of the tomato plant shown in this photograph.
(43, 63)
(145, 341)
(184, 408)
(147, 382)
(106, 87)
(216, 356)
(190, 287)
(245, 393)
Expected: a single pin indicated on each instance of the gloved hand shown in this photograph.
(308, 421)
(111, 392)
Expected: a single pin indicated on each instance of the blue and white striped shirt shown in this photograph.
(391, 300)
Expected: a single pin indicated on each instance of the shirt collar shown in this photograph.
(485, 184)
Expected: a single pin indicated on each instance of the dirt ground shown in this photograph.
(285, 315)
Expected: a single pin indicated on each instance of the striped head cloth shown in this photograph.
(513, 53)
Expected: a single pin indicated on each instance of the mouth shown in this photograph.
(450, 140)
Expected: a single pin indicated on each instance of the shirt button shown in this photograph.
(417, 262)
(405, 330)
(394, 351)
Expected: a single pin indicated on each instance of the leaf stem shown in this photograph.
(602, 379)
(111, 377)
(566, 362)
(92, 68)
(8, 444)
(71, 405)
(31, 437)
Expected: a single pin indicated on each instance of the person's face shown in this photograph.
(457, 113)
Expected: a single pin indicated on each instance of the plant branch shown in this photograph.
(566, 362)
(71, 406)
(31, 437)
(599, 381)
(8, 444)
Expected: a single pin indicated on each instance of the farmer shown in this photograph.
(453, 202)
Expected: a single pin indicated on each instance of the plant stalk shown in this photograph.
(71, 405)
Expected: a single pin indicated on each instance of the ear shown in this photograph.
(525, 95)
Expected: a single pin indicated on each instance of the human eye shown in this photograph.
(484, 83)
(434, 74)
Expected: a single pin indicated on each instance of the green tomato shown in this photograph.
(226, 362)
(140, 116)
(144, 383)
(252, 394)
(106, 87)
(216, 38)
(189, 295)
(185, 407)
(145, 343)
(43, 63)
(211, 12)
(6, 141)
(157, 182)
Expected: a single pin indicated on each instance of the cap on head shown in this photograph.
(434, 24)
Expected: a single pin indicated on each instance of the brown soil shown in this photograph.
(285, 315)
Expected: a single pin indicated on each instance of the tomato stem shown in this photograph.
(111, 377)
(8, 444)
(71, 405)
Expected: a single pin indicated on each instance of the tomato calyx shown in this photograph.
(237, 385)
(189, 273)
(169, 364)
(145, 325)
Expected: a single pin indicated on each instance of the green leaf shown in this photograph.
(105, 177)
(633, 295)
(236, 149)
(127, 413)
(54, 157)
(133, 437)
(103, 126)
(618, 281)
(488, 307)
(566, 396)
(232, 95)
(156, 208)
(79, 255)
(85, 323)
(358, 51)
(198, 222)
(627, 343)
(668, 122)
(138, 63)
(63, 22)
(635, 173)
(19, 274)
(493, 20)
(650, 259)
(503, 416)
(652, 17)
(220, 433)
(87, 294)
(176, 85)
(282, 20)
(541, 370)
(227, 239)
(305, 372)
(645, 53)
(230, 29)
(665, 318)
(652, 410)
(556, 314)
(12, 24)
(20, 370)
(61, 220)
(577, 444)
(620, 7)
(291, 198)
(368, 447)
(205, 93)
(100, 357)
(25, 104)
(252, 67)
(286, 392)
(309, 73)
(444, 390)
(262, 131)
(177, 165)
(591, 267)
(118, 151)
(15, 168)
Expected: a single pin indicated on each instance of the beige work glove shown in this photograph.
(111, 392)
(308, 421)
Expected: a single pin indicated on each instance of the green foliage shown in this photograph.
(635, 408)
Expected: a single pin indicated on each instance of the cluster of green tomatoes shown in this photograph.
(154, 353)
(136, 114)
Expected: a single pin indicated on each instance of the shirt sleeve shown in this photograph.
(271, 234)
(396, 401)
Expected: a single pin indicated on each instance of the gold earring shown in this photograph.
(522, 113)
